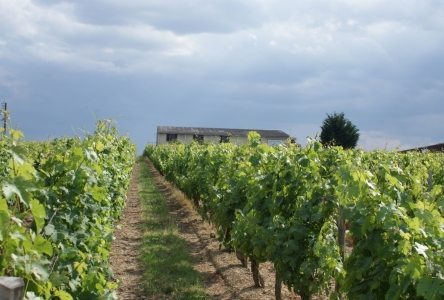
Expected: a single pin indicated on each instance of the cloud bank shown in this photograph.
(257, 63)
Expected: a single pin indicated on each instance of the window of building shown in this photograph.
(198, 138)
(171, 137)
(224, 139)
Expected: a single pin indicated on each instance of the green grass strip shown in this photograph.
(168, 272)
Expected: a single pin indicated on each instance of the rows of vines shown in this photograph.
(335, 223)
(59, 201)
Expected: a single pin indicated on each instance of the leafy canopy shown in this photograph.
(339, 131)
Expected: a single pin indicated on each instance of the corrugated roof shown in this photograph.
(221, 131)
(433, 148)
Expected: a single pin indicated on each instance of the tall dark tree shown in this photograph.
(339, 131)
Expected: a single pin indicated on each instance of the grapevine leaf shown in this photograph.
(404, 247)
(80, 267)
(43, 246)
(16, 158)
(62, 295)
(58, 279)
(304, 162)
(49, 230)
(98, 193)
(39, 271)
(9, 190)
(100, 146)
(16, 134)
(39, 214)
(437, 190)
(18, 187)
(91, 155)
(431, 288)
(4, 218)
(413, 267)
(3, 205)
(414, 224)
(421, 249)
(26, 171)
(4, 222)
(32, 296)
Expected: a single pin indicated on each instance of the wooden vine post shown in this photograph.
(5, 115)
(341, 241)
(11, 288)
(278, 286)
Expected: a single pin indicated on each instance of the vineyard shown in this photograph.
(339, 224)
(334, 223)
(59, 204)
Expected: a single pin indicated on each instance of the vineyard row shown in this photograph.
(59, 202)
(335, 223)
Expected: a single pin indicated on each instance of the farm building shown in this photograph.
(167, 134)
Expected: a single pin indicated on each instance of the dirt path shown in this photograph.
(124, 255)
(224, 276)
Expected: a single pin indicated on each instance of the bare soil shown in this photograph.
(124, 256)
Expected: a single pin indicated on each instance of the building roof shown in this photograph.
(432, 148)
(278, 134)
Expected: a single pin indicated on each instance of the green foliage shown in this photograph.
(59, 202)
(339, 131)
(283, 204)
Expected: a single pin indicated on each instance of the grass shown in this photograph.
(168, 271)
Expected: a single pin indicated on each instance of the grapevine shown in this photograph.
(58, 207)
(334, 222)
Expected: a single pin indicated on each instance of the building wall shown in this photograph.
(211, 139)
(238, 140)
(188, 138)
(185, 138)
(161, 139)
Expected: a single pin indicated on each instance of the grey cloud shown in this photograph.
(227, 64)
(182, 17)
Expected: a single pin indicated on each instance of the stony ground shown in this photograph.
(224, 276)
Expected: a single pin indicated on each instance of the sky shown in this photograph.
(262, 64)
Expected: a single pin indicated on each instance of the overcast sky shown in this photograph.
(263, 64)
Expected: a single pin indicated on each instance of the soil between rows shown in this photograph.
(223, 275)
(124, 256)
